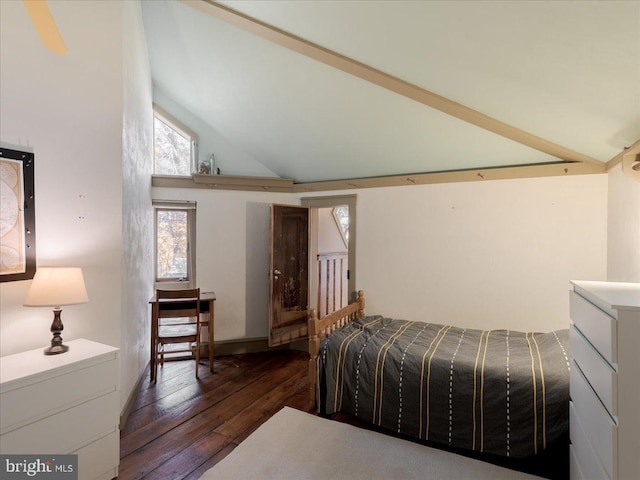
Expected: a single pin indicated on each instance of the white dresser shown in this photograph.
(604, 412)
(63, 404)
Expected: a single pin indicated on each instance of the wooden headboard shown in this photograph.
(319, 328)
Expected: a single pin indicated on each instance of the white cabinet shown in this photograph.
(604, 413)
(63, 404)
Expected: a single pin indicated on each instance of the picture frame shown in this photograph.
(17, 215)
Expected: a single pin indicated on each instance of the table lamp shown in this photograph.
(56, 287)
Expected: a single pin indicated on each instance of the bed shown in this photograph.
(499, 392)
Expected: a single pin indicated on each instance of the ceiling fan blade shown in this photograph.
(45, 25)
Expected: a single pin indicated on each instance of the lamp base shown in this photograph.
(56, 349)
(56, 328)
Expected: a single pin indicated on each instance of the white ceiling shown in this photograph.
(568, 72)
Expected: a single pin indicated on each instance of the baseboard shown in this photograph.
(128, 406)
(243, 345)
(254, 345)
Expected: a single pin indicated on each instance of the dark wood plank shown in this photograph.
(185, 410)
(176, 390)
(179, 466)
(197, 473)
(181, 427)
(262, 409)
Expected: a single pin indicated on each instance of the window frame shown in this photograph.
(172, 122)
(190, 208)
(344, 234)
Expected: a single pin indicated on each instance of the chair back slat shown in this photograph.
(191, 293)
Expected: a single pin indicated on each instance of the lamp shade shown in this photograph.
(55, 287)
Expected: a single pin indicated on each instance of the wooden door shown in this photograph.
(289, 274)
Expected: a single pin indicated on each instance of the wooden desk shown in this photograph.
(207, 300)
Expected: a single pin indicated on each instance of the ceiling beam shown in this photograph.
(473, 175)
(384, 80)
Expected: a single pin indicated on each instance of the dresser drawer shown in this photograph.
(66, 431)
(597, 425)
(598, 327)
(584, 462)
(575, 473)
(97, 459)
(25, 405)
(602, 377)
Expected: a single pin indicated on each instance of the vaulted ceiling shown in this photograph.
(327, 90)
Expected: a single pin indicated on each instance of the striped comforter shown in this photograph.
(498, 391)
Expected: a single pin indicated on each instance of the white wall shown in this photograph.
(483, 254)
(137, 218)
(624, 228)
(233, 255)
(68, 108)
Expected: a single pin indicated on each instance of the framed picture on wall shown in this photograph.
(17, 215)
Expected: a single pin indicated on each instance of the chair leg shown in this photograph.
(155, 366)
(197, 356)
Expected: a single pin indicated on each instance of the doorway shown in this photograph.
(308, 271)
(332, 279)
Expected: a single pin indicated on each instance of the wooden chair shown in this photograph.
(177, 325)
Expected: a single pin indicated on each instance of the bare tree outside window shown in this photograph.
(172, 150)
(172, 244)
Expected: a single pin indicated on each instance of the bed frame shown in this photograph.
(319, 328)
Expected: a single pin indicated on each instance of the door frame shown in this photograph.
(327, 202)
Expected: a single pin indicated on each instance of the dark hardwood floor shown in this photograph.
(181, 427)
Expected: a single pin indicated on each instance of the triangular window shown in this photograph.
(341, 215)
(175, 146)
